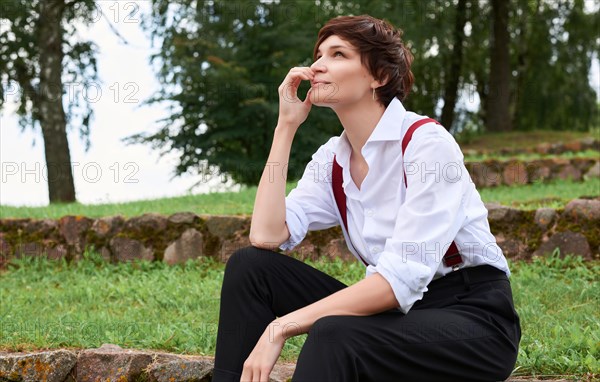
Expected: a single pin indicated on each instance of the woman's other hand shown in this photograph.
(293, 111)
(262, 359)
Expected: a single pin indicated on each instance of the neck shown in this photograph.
(359, 121)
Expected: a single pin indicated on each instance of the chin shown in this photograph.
(325, 95)
(323, 100)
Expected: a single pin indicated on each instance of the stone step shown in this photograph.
(113, 363)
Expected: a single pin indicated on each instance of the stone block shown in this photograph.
(545, 217)
(183, 218)
(188, 246)
(515, 172)
(225, 227)
(48, 366)
(579, 210)
(181, 371)
(148, 224)
(73, 229)
(125, 249)
(568, 242)
(593, 172)
(111, 363)
(107, 226)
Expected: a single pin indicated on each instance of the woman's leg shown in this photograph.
(258, 286)
(465, 333)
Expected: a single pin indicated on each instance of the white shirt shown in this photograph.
(401, 232)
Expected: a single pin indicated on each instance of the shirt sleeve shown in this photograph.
(310, 206)
(427, 221)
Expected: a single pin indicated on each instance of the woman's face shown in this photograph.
(340, 78)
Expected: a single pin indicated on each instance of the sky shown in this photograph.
(110, 171)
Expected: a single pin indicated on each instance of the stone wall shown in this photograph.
(112, 363)
(182, 236)
(494, 172)
(543, 148)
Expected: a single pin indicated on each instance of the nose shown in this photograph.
(318, 66)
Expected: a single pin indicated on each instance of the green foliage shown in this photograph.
(54, 304)
(552, 53)
(20, 70)
(221, 71)
(221, 64)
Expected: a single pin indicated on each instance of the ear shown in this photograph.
(378, 83)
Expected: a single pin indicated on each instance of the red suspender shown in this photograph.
(340, 198)
(451, 258)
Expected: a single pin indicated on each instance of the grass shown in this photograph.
(225, 203)
(593, 154)
(554, 194)
(521, 139)
(143, 305)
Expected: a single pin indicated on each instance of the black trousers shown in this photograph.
(464, 329)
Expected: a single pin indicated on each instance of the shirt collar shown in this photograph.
(389, 128)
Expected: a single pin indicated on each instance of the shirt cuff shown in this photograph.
(297, 223)
(408, 279)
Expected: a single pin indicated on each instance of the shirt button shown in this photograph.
(369, 212)
(375, 249)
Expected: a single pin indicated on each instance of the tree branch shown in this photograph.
(115, 31)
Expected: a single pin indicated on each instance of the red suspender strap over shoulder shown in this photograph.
(452, 258)
(337, 180)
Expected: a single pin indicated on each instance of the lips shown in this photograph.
(317, 83)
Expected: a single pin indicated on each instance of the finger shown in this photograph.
(307, 101)
(305, 73)
(299, 76)
(302, 68)
(264, 377)
(294, 81)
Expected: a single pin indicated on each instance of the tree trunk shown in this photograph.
(498, 100)
(52, 115)
(453, 77)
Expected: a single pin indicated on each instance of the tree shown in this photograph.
(554, 44)
(456, 62)
(498, 98)
(221, 63)
(39, 53)
(551, 46)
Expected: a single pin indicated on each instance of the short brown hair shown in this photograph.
(381, 51)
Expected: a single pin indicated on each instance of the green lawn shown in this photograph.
(594, 154)
(554, 194)
(493, 142)
(143, 305)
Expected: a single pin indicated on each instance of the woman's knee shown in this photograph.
(329, 331)
(325, 351)
(247, 258)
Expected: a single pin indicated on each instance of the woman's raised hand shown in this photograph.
(293, 111)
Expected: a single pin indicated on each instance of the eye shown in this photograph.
(336, 53)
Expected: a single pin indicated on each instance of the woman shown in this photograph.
(415, 316)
